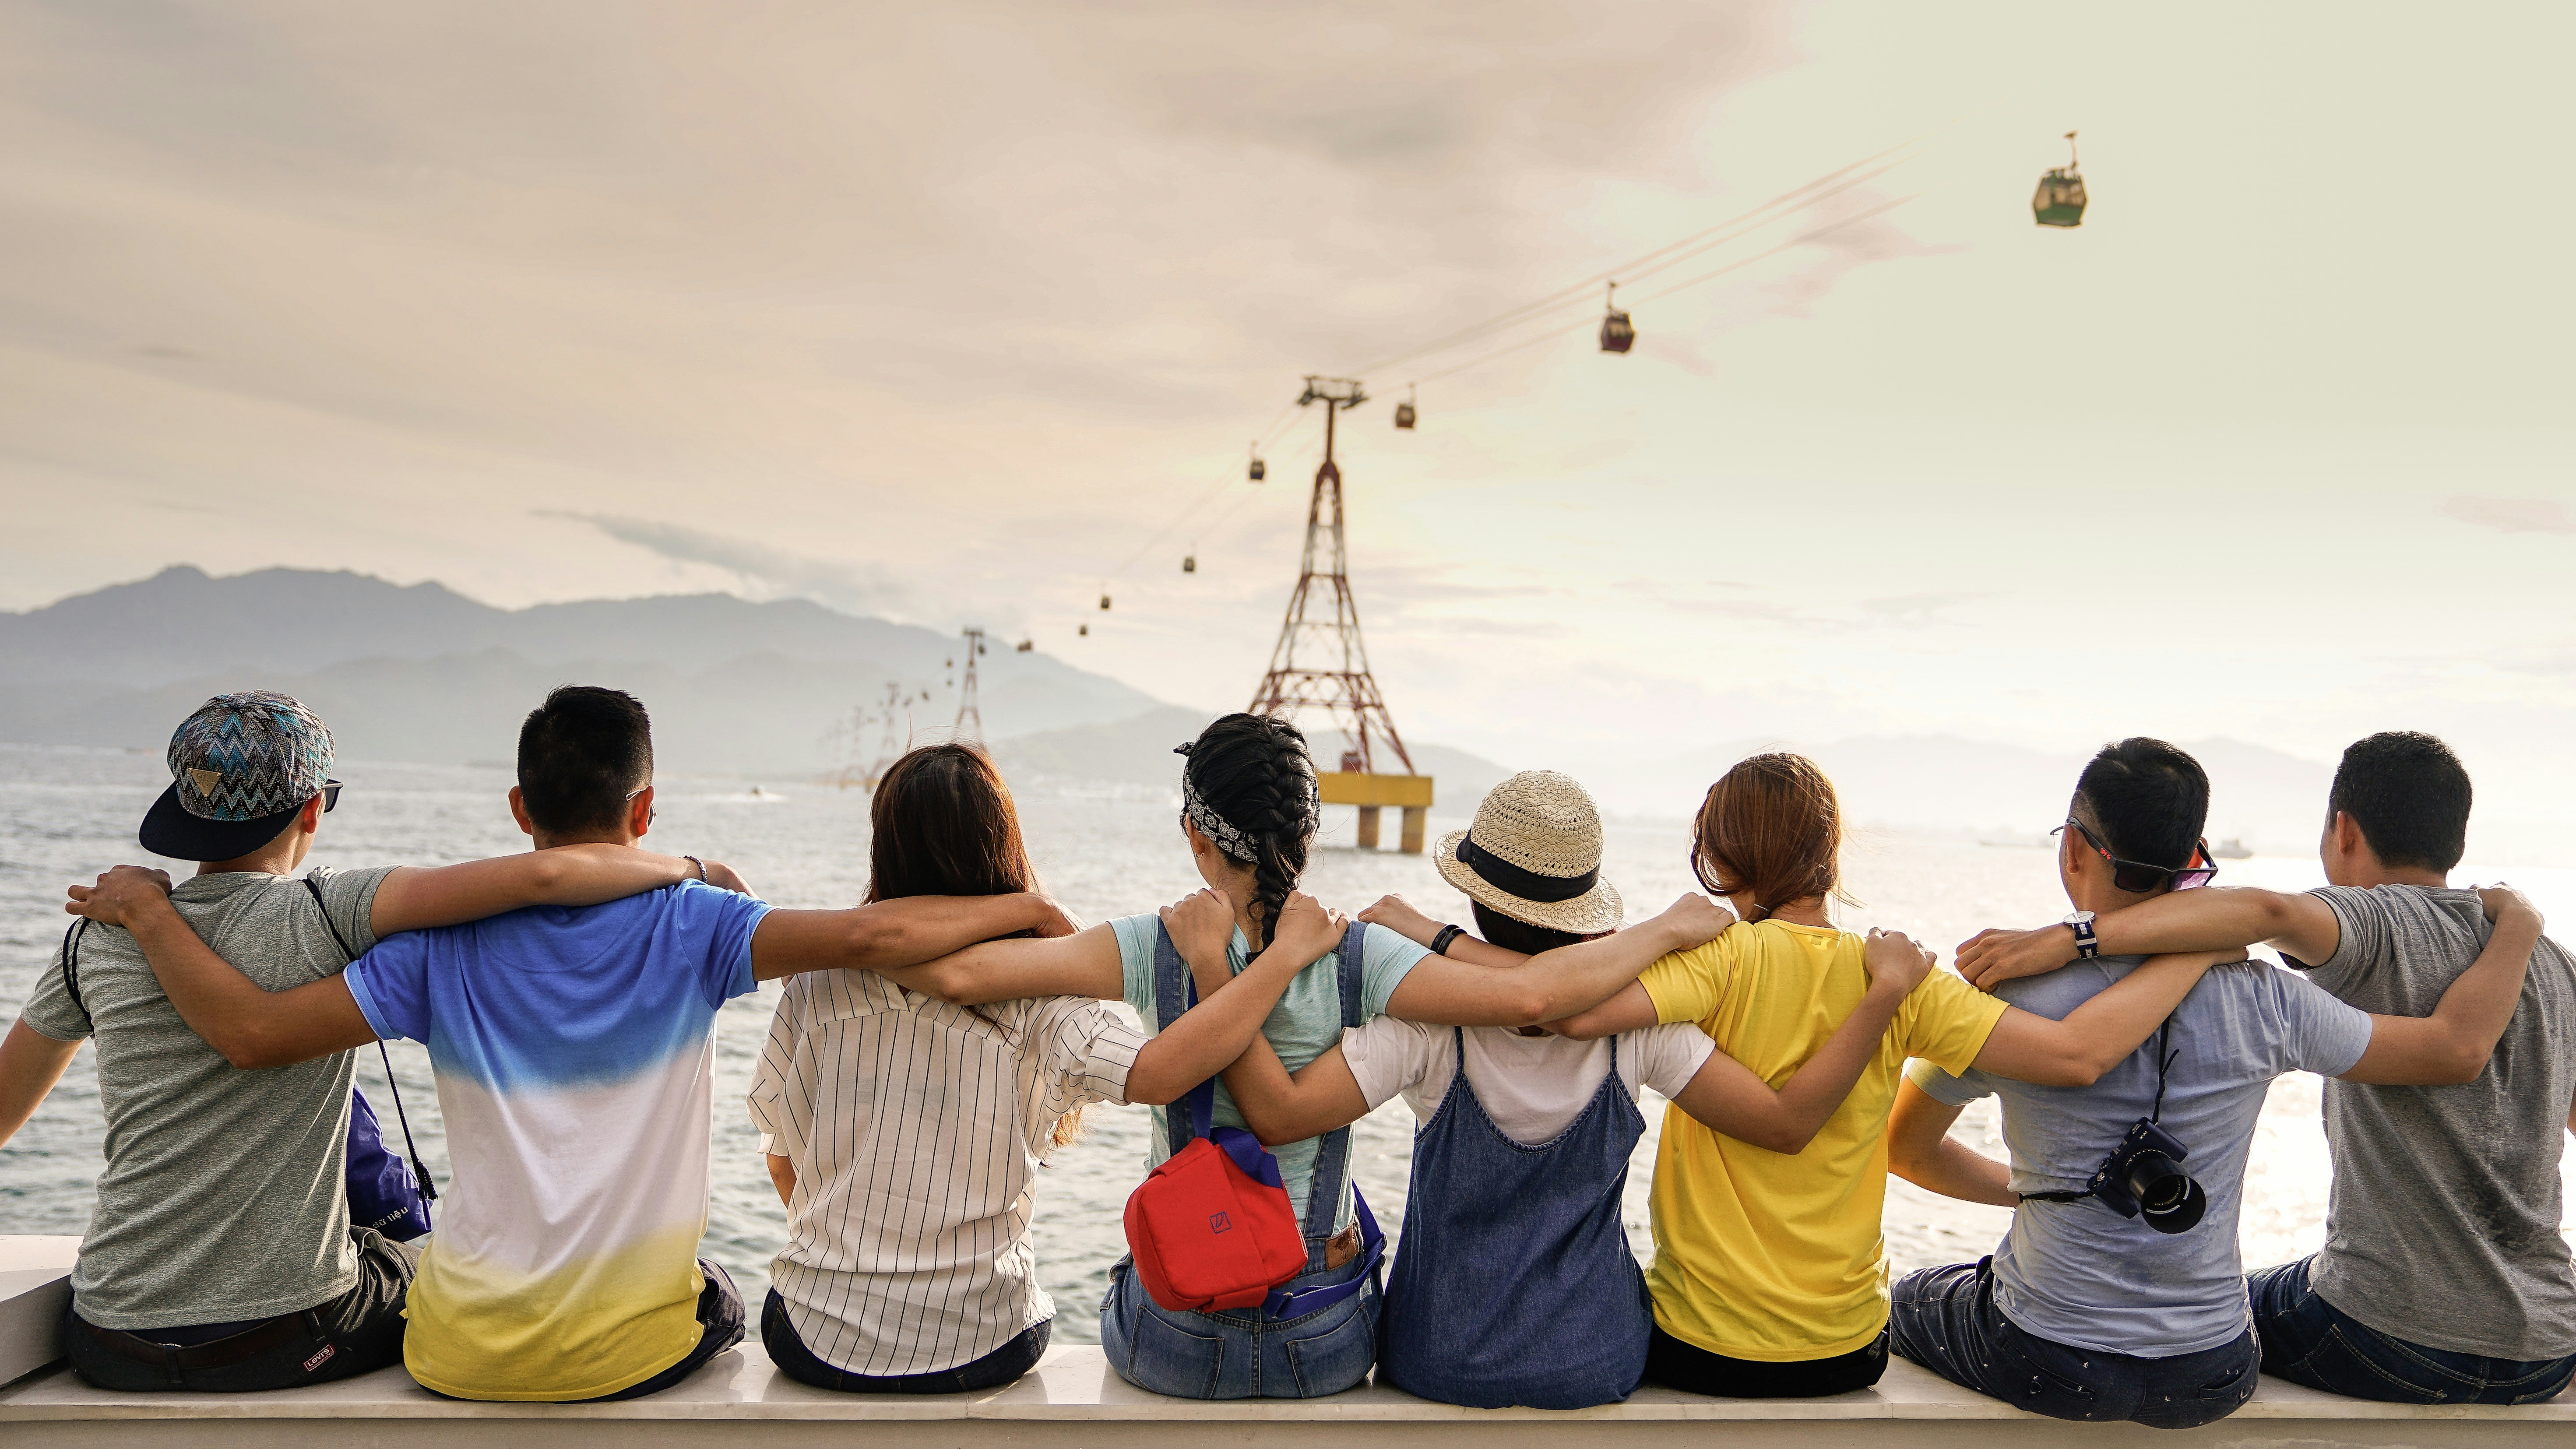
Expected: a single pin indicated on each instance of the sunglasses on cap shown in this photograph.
(2136, 876)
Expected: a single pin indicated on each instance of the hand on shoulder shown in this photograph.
(124, 888)
(1305, 929)
(1990, 958)
(1201, 923)
(1896, 962)
(1694, 920)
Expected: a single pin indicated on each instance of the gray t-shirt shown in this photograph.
(223, 1198)
(2443, 1225)
(2078, 1272)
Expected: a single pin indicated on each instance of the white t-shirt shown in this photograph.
(1533, 1087)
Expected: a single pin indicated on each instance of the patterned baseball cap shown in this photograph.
(240, 767)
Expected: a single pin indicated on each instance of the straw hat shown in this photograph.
(1534, 854)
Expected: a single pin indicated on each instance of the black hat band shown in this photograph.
(1529, 885)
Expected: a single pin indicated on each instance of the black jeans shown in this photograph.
(2310, 1341)
(788, 1351)
(357, 1332)
(1694, 1370)
(719, 1328)
(1946, 1320)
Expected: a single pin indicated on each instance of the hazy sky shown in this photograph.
(942, 312)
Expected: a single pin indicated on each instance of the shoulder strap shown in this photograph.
(1175, 992)
(71, 968)
(419, 1169)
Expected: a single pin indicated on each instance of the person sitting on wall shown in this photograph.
(2118, 1293)
(2444, 1278)
(574, 1052)
(221, 1257)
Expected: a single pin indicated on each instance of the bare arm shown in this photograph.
(1406, 919)
(1084, 964)
(907, 931)
(1631, 1010)
(1919, 1150)
(2453, 1044)
(1277, 1107)
(782, 1176)
(2101, 1033)
(250, 1025)
(30, 1063)
(1727, 1097)
(1232, 1007)
(1440, 991)
(416, 897)
(2211, 919)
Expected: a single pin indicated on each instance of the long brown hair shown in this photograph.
(942, 824)
(1771, 828)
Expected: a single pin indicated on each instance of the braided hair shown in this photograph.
(1257, 775)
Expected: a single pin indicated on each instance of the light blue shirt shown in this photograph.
(2079, 1273)
(1307, 1020)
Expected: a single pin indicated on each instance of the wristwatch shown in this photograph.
(2087, 944)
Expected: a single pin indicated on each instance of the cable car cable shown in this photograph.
(1640, 266)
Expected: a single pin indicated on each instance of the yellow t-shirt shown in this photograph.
(1770, 1257)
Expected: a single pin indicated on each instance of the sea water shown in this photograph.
(66, 815)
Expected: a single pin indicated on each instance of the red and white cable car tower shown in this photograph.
(1320, 662)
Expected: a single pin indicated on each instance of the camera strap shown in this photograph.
(2164, 1066)
(419, 1169)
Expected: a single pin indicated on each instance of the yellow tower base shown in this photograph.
(1411, 793)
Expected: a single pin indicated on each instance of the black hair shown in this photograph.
(2410, 796)
(582, 755)
(2147, 800)
(1256, 773)
(1516, 935)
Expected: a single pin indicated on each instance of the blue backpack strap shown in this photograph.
(1175, 992)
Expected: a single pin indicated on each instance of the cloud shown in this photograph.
(2512, 515)
(1919, 609)
(763, 572)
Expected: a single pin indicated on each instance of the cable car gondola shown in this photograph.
(1189, 563)
(2059, 201)
(1618, 334)
(1104, 603)
(1258, 468)
(1404, 410)
(1084, 632)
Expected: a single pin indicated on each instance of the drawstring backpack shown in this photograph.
(386, 1193)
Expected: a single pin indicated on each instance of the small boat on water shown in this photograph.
(2016, 842)
(2231, 849)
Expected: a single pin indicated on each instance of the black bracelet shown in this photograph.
(1440, 943)
(700, 864)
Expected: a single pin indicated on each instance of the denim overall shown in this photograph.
(1514, 1284)
(1248, 1353)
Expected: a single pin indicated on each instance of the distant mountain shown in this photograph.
(422, 673)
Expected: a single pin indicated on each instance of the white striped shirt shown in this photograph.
(916, 1128)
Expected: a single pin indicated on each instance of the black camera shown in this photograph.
(2144, 1176)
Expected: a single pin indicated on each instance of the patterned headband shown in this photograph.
(1219, 830)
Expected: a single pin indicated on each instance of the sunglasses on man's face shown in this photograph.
(2137, 877)
(330, 796)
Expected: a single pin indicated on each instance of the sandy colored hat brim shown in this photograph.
(170, 831)
(1589, 914)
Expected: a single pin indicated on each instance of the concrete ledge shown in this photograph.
(35, 1286)
(1072, 1398)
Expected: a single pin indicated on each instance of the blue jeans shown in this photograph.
(1946, 1320)
(1240, 1353)
(2310, 1341)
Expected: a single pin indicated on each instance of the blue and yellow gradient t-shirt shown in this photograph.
(574, 1050)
